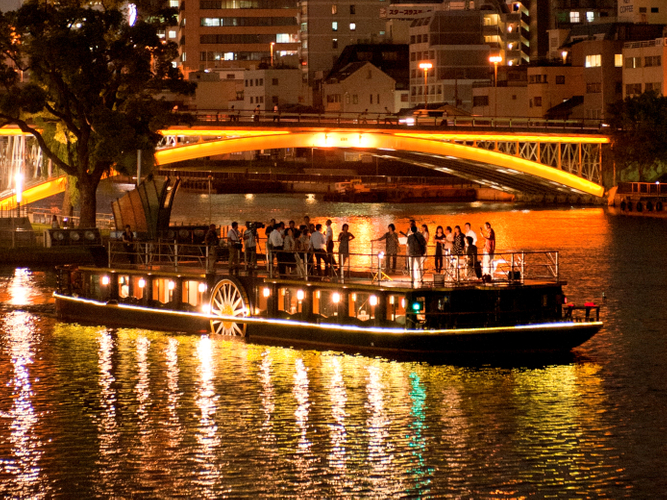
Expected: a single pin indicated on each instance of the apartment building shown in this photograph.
(644, 67)
(328, 26)
(237, 33)
(265, 88)
(457, 44)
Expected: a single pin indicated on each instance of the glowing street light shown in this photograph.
(18, 179)
(273, 44)
(495, 60)
(425, 66)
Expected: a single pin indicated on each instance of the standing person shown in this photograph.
(235, 246)
(303, 252)
(458, 248)
(319, 247)
(427, 237)
(54, 222)
(344, 239)
(416, 250)
(391, 249)
(255, 115)
(468, 232)
(276, 240)
(128, 244)
(329, 242)
(267, 233)
(276, 113)
(471, 252)
(250, 243)
(439, 239)
(211, 240)
(489, 236)
(449, 246)
(289, 247)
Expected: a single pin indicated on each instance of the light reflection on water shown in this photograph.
(96, 412)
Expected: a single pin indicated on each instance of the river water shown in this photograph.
(90, 412)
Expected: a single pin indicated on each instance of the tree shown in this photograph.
(95, 87)
(639, 129)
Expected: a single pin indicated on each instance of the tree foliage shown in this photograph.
(88, 86)
(639, 129)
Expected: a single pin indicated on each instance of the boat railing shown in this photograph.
(374, 268)
(428, 270)
(159, 253)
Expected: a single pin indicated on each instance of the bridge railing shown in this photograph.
(392, 120)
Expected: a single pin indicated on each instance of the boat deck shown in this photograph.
(513, 268)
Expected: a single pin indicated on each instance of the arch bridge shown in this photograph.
(543, 162)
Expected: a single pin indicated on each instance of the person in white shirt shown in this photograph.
(235, 246)
(276, 241)
(468, 232)
(319, 247)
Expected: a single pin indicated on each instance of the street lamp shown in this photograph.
(19, 192)
(425, 66)
(495, 60)
(273, 44)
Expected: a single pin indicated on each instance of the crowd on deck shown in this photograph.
(296, 249)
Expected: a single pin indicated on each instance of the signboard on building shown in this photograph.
(404, 11)
(626, 10)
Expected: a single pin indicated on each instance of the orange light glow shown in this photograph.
(431, 143)
(36, 193)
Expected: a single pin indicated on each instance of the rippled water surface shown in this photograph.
(95, 412)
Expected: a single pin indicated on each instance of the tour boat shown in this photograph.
(519, 306)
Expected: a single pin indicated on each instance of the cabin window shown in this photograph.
(123, 286)
(163, 290)
(138, 285)
(363, 305)
(193, 293)
(94, 285)
(291, 300)
(262, 300)
(396, 308)
(325, 302)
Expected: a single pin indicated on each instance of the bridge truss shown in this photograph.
(516, 162)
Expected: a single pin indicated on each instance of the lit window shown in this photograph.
(593, 61)
(173, 4)
(618, 60)
(334, 9)
(353, 26)
(574, 17)
(334, 26)
(172, 33)
(590, 16)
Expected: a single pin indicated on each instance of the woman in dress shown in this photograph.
(440, 241)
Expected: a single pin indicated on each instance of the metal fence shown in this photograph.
(373, 268)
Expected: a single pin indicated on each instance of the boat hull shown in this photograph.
(552, 337)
